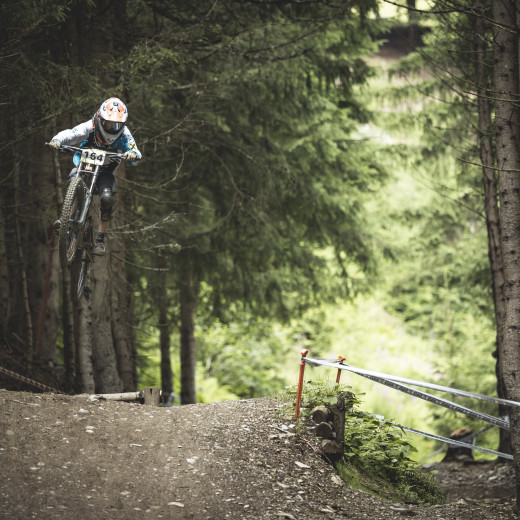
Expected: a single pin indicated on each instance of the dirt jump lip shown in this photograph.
(64, 456)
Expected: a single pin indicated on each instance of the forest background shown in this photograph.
(312, 178)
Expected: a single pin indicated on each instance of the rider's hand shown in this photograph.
(55, 144)
(130, 156)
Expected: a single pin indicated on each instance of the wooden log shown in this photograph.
(125, 396)
(152, 396)
(331, 449)
(338, 411)
(324, 430)
(459, 453)
(320, 414)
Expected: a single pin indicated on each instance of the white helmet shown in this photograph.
(109, 120)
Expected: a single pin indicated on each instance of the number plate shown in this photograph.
(96, 157)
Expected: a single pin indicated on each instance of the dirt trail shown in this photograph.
(67, 457)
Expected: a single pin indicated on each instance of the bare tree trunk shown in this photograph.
(72, 380)
(121, 322)
(83, 341)
(120, 305)
(187, 297)
(45, 342)
(104, 357)
(507, 122)
(164, 337)
(490, 183)
(4, 279)
(104, 336)
(70, 361)
(29, 341)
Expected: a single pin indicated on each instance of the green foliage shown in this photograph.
(434, 272)
(256, 111)
(317, 393)
(376, 457)
(209, 389)
(244, 356)
(373, 443)
(282, 170)
(410, 486)
(376, 453)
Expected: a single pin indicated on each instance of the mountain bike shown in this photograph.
(76, 235)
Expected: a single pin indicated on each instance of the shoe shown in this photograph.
(99, 248)
(56, 227)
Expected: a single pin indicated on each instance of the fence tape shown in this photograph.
(456, 443)
(413, 382)
(14, 375)
(385, 380)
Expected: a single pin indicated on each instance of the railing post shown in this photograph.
(303, 353)
(341, 359)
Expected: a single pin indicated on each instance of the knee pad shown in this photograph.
(106, 198)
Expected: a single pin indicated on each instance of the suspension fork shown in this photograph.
(90, 196)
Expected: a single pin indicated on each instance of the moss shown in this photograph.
(412, 486)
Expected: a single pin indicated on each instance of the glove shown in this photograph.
(55, 144)
(130, 156)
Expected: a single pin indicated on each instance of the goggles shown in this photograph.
(112, 127)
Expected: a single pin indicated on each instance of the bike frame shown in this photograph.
(90, 194)
(86, 169)
(75, 237)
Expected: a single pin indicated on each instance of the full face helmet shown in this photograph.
(109, 120)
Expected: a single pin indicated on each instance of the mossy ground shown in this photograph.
(412, 486)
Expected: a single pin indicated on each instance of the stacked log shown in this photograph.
(330, 428)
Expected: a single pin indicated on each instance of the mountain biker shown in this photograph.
(107, 130)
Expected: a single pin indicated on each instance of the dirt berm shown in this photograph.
(70, 458)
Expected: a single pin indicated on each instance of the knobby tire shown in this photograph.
(79, 268)
(69, 228)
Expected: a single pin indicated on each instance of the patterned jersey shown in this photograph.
(83, 135)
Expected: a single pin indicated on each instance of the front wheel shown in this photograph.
(79, 269)
(69, 228)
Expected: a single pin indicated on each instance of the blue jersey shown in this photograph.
(84, 135)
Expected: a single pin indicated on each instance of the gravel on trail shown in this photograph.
(65, 457)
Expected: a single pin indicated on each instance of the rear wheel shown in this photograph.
(78, 276)
(69, 228)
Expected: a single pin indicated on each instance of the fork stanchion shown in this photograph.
(303, 353)
(338, 376)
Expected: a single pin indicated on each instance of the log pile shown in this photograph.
(330, 428)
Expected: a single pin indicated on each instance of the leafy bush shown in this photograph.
(376, 453)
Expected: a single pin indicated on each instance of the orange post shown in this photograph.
(303, 353)
(341, 359)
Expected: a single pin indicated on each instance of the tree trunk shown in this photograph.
(490, 184)
(83, 342)
(4, 278)
(187, 297)
(164, 338)
(45, 352)
(121, 321)
(72, 380)
(120, 308)
(29, 341)
(104, 356)
(506, 80)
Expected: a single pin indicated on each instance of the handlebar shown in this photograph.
(74, 149)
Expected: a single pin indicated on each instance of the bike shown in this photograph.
(76, 235)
